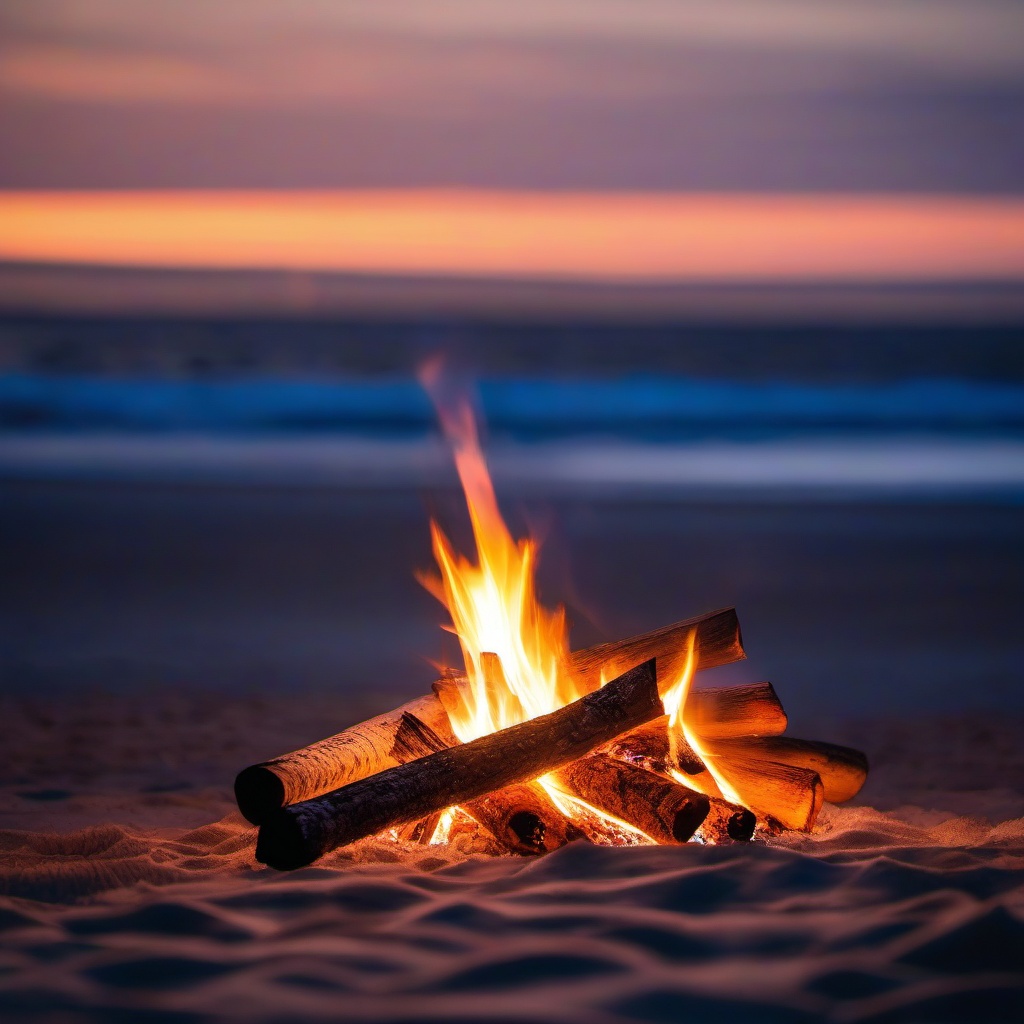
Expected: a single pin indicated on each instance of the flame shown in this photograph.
(675, 705)
(515, 650)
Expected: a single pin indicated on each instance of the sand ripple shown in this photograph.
(876, 918)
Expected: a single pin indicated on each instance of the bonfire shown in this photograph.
(534, 745)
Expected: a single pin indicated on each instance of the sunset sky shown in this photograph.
(646, 138)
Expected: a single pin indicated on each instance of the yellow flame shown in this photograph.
(493, 602)
(675, 706)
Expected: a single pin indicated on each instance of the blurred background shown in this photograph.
(737, 287)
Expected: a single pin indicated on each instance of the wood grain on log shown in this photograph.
(664, 810)
(843, 770)
(332, 762)
(298, 835)
(421, 831)
(363, 749)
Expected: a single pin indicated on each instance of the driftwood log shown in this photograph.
(521, 818)
(664, 810)
(297, 835)
(364, 749)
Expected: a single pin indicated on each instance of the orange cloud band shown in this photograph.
(631, 237)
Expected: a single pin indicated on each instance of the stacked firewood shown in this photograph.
(610, 753)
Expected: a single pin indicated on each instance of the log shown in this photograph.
(297, 835)
(725, 712)
(726, 823)
(363, 749)
(521, 818)
(648, 748)
(843, 770)
(664, 810)
(718, 642)
(790, 796)
(750, 710)
(421, 831)
(332, 762)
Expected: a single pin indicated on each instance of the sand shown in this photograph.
(131, 893)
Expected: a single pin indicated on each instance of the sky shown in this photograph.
(900, 96)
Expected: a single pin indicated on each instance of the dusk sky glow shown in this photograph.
(642, 140)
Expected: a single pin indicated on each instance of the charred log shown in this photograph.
(664, 810)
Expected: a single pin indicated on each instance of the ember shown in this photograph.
(534, 745)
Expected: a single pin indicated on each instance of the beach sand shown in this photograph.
(131, 893)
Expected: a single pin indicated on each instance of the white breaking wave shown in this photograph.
(795, 468)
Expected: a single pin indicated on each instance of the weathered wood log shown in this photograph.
(648, 747)
(521, 818)
(363, 749)
(298, 835)
(351, 754)
(790, 796)
(664, 810)
(843, 770)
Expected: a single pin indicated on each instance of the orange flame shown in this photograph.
(515, 650)
(675, 706)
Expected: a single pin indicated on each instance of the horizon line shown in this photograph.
(559, 236)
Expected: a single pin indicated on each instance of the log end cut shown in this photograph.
(282, 844)
(259, 793)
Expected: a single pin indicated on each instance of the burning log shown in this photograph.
(648, 748)
(664, 810)
(745, 711)
(364, 749)
(421, 831)
(726, 822)
(842, 770)
(717, 642)
(727, 712)
(521, 818)
(298, 835)
(790, 796)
